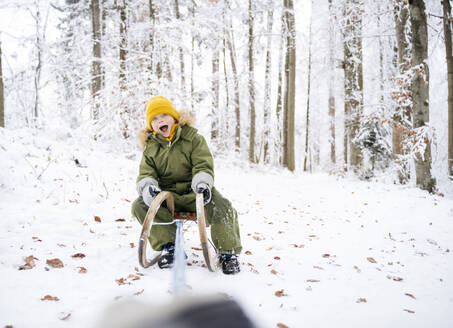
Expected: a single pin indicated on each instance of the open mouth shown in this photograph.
(164, 128)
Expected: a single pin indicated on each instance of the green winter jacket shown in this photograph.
(173, 165)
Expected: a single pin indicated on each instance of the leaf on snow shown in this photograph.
(97, 218)
(410, 295)
(132, 245)
(274, 271)
(277, 258)
(55, 263)
(280, 325)
(326, 255)
(409, 311)
(29, 263)
(313, 280)
(361, 300)
(371, 260)
(82, 270)
(50, 298)
(120, 220)
(280, 293)
(78, 255)
(256, 238)
(248, 253)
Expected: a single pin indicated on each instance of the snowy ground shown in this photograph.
(319, 251)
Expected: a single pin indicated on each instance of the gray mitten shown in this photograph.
(203, 188)
(149, 193)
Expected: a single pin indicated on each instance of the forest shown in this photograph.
(351, 87)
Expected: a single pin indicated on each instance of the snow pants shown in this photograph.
(220, 214)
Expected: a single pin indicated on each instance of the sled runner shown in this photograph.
(212, 260)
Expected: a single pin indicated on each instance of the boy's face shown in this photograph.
(162, 124)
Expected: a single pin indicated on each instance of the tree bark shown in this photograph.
(123, 44)
(237, 108)
(353, 66)
(449, 57)
(332, 83)
(2, 99)
(402, 117)
(96, 81)
(420, 91)
(251, 87)
(291, 86)
(152, 16)
(267, 88)
(37, 77)
(181, 56)
(281, 70)
(215, 95)
(307, 122)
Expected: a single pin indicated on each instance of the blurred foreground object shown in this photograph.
(186, 312)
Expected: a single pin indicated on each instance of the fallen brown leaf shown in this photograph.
(370, 259)
(326, 255)
(29, 263)
(50, 298)
(277, 258)
(248, 253)
(280, 293)
(55, 263)
(132, 245)
(318, 267)
(410, 295)
(410, 311)
(274, 271)
(361, 300)
(82, 270)
(97, 218)
(120, 220)
(312, 280)
(256, 238)
(78, 255)
(280, 325)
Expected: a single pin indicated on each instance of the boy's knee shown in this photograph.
(138, 208)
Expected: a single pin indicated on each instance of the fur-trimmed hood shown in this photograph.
(185, 118)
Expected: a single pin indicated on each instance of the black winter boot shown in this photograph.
(230, 264)
(167, 257)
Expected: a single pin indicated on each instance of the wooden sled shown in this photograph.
(212, 261)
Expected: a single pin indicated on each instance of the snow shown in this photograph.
(313, 237)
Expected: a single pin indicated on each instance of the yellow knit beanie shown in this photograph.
(159, 105)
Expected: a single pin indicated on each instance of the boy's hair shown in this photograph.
(159, 105)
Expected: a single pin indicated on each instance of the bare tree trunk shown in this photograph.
(291, 86)
(449, 56)
(307, 122)
(402, 117)
(420, 91)
(267, 88)
(152, 16)
(251, 86)
(353, 80)
(281, 70)
(192, 60)
(96, 65)
(215, 95)
(237, 108)
(332, 83)
(181, 56)
(123, 43)
(381, 58)
(37, 77)
(2, 99)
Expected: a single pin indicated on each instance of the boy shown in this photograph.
(177, 159)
